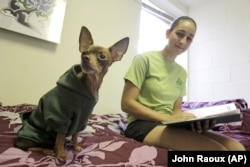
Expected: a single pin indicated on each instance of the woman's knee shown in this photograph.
(229, 143)
(234, 145)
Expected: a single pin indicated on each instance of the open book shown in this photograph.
(221, 114)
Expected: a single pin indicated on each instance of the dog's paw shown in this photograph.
(62, 156)
(42, 150)
(49, 152)
(78, 148)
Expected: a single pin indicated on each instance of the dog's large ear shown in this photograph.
(85, 39)
(118, 49)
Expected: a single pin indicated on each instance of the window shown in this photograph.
(152, 32)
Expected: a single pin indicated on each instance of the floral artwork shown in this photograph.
(41, 19)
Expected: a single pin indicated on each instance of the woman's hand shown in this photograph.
(201, 127)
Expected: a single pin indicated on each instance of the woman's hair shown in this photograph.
(176, 21)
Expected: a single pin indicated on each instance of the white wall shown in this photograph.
(30, 67)
(219, 58)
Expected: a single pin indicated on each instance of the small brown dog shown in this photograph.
(65, 109)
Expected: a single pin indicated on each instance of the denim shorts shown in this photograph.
(139, 129)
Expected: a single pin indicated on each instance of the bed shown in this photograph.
(103, 140)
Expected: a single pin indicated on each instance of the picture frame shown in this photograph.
(42, 19)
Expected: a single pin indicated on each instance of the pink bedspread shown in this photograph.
(103, 141)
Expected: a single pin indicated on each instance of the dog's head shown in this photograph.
(97, 59)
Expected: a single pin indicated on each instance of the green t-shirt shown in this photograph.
(161, 82)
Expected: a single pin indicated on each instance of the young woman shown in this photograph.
(153, 91)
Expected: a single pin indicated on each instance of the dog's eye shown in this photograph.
(102, 56)
(85, 53)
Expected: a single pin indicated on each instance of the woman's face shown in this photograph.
(181, 37)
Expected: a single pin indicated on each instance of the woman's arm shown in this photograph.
(178, 106)
(130, 105)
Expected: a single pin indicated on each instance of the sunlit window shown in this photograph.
(152, 33)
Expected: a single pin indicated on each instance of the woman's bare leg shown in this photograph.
(229, 143)
(181, 139)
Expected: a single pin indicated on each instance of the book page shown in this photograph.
(221, 113)
(213, 110)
